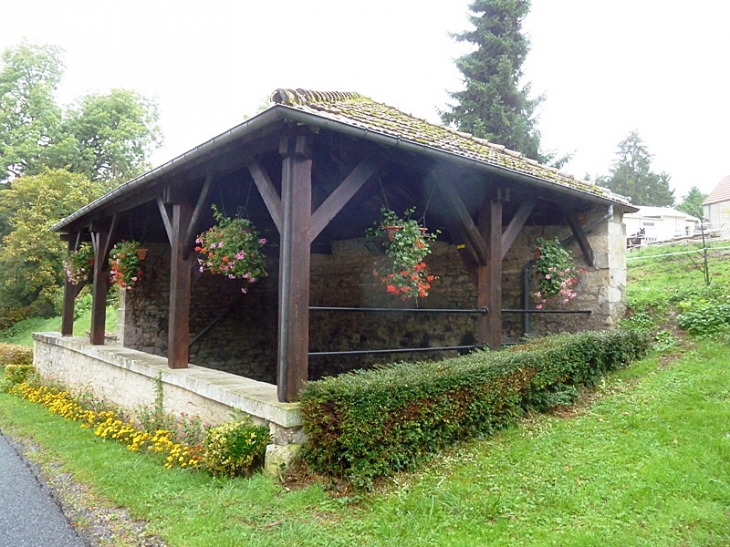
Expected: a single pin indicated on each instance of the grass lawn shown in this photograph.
(645, 463)
(22, 332)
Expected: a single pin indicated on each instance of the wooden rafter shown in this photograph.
(516, 224)
(266, 189)
(341, 196)
(462, 218)
(195, 220)
(580, 236)
(165, 214)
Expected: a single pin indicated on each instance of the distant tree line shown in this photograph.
(55, 159)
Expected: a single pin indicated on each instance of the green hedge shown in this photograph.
(370, 424)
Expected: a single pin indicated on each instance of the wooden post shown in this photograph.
(294, 261)
(69, 297)
(180, 282)
(490, 275)
(101, 237)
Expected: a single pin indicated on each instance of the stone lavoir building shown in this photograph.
(312, 173)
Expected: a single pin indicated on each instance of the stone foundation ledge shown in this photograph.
(128, 377)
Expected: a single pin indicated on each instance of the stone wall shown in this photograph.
(244, 340)
(128, 378)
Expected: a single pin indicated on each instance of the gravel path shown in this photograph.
(42, 506)
(29, 517)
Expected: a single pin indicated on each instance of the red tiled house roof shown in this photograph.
(720, 193)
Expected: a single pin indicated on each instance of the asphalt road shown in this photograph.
(29, 516)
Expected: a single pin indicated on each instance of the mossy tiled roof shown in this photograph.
(355, 110)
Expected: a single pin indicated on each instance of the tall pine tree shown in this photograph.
(493, 105)
(631, 175)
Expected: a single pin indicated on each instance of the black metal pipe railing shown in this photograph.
(519, 310)
(401, 350)
(401, 310)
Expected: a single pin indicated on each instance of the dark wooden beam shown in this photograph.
(266, 189)
(462, 218)
(70, 292)
(516, 224)
(102, 234)
(580, 236)
(489, 288)
(180, 282)
(294, 266)
(195, 220)
(342, 195)
(165, 214)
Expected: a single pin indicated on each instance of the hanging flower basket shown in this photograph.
(232, 247)
(79, 265)
(124, 264)
(403, 270)
(555, 272)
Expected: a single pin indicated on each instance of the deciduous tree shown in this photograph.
(106, 137)
(31, 255)
(113, 134)
(30, 119)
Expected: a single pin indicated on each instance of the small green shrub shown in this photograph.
(235, 448)
(17, 374)
(639, 320)
(705, 318)
(374, 423)
(15, 354)
(665, 341)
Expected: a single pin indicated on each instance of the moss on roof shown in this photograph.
(355, 110)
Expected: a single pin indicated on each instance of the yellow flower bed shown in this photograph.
(108, 424)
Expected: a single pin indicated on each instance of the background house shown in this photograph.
(716, 207)
(652, 224)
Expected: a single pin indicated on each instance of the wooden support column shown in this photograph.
(490, 275)
(178, 338)
(181, 210)
(102, 233)
(70, 292)
(294, 262)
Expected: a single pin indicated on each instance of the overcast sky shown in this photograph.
(606, 66)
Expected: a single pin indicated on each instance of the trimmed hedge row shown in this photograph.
(374, 423)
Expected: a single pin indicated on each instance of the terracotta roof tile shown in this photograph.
(720, 193)
(355, 110)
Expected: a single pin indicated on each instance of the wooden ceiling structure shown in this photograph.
(314, 167)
